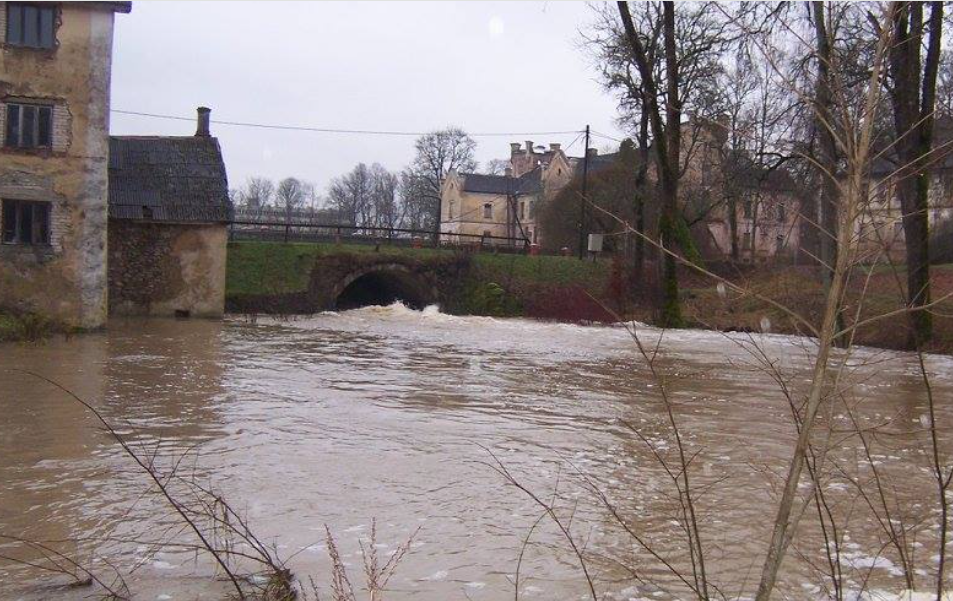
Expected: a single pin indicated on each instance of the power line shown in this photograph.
(602, 135)
(331, 130)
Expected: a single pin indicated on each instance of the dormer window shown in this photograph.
(29, 126)
(30, 25)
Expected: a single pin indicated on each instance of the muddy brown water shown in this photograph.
(391, 414)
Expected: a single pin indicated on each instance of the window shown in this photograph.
(30, 25)
(522, 209)
(29, 126)
(748, 209)
(488, 211)
(746, 241)
(782, 213)
(532, 209)
(26, 222)
(450, 210)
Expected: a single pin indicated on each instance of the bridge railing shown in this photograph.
(280, 231)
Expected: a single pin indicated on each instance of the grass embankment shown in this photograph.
(870, 294)
(542, 287)
(28, 327)
(279, 268)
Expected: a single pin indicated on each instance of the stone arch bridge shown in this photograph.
(347, 280)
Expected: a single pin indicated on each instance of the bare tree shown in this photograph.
(913, 92)
(416, 206)
(438, 153)
(666, 140)
(496, 167)
(350, 194)
(675, 52)
(290, 196)
(384, 198)
(257, 193)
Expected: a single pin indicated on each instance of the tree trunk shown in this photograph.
(666, 138)
(913, 103)
(671, 307)
(641, 178)
(827, 145)
(733, 224)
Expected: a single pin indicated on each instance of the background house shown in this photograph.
(502, 209)
(168, 215)
(55, 68)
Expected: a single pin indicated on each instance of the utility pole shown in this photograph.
(437, 216)
(582, 201)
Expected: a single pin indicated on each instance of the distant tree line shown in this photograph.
(371, 196)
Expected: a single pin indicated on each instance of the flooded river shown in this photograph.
(391, 414)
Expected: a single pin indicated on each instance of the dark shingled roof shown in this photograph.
(119, 7)
(528, 183)
(177, 179)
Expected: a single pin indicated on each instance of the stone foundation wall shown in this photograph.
(166, 270)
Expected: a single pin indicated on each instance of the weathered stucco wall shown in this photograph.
(162, 269)
(65, 280)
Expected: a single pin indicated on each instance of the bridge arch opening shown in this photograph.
(383, 287)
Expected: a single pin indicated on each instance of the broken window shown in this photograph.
(30, 25)
(26, 222)
(29, 126)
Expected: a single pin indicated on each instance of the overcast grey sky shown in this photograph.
(408, 66)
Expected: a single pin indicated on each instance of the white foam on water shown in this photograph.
(436, 576)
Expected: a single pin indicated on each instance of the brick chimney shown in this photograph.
(508, 172)
(529, 146)
(514, 147)
(593, 152)
(202, 122)
(553, 147)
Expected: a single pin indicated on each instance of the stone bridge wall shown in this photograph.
(434, 279)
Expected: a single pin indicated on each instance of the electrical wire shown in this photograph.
(602, 135)
(332, 130)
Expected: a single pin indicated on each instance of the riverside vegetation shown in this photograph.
(567, 289)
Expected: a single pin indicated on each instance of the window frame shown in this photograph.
(46, 25)
(40, 222)
(13, 139)
(488, 210)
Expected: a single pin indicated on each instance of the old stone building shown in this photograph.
(501, 209)
(168, 215)
(55, 65)
(879, 231)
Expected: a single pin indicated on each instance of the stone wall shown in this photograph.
(65, 280)
(166, 270)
